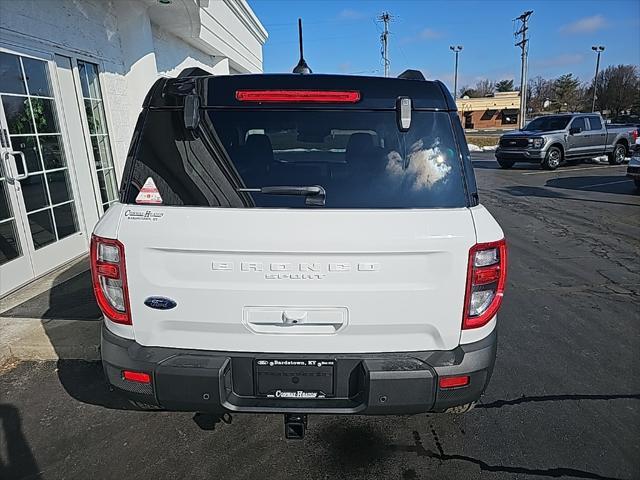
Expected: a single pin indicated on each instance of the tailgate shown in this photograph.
(290, 281)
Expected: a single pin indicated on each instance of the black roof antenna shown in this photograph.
(302, 66)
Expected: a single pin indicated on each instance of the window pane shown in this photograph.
(82, 71)
(18, 114)
(9, 246)
(52, 152)
(45, 115)
(65, 220)
(579, 123)
(94, 86)
(95, 116)
(107, 184)
(27, 145)
(37, 77)
(5, 208)
(58, 186)
(595, 123)
(101, 151)
(34, 193)
(41, 225)
(10, 74)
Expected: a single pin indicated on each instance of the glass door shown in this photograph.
(41, 211)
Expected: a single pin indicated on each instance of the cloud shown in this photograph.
(429, 34)
(423, 35)
(586, 25)
(559, 60)
(351, 14)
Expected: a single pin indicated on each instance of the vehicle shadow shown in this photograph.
(19, 461)
(618, 184)
(71, 320)
(492, 164)
(546, 192)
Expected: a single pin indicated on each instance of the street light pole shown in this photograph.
(598, 49)
(455, 49)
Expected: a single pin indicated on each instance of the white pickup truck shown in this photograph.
(299, 244)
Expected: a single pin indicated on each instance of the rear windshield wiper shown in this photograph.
(315, 194)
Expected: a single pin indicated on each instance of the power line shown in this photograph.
(524, 45)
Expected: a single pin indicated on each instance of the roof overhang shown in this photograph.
(226, 28)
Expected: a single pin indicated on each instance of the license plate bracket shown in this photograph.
(300, 379)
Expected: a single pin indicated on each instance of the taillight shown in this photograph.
(486, 278)
(298, 96)
(109, 278)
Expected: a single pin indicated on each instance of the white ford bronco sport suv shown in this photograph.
(299, 244)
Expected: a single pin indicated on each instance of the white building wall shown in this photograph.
(174, 55)
(132, 52)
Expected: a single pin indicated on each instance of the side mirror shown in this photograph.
(574, 130)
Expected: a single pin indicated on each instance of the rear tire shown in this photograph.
(553, 159)
(637, 182)
(617, 156)
(506, 163)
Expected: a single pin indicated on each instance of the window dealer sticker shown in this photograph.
(149, 193)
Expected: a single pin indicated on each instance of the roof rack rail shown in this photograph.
(194, 72)
(410, 74)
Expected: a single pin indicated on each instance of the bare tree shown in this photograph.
(484, 88)
(540, 93)
(618, 89)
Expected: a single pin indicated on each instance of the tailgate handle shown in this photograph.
(292, 320)
(294, 317)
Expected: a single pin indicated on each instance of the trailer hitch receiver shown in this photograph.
(295, 425)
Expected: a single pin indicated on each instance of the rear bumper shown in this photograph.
(379, 383)
(520, 155)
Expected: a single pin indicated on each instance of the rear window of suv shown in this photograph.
(360, 158)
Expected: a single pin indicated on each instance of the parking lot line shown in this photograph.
(573, 169)
(606, 183)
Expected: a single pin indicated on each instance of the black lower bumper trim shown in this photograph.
(519, 155)
(378, 383)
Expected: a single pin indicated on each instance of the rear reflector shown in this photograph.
(298, 96)
(452, 382)
(139, 377)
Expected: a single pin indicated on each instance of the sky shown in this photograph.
(344, 36)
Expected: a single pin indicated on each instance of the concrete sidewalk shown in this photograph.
(47, 338)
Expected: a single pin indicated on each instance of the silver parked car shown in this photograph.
(552, 139)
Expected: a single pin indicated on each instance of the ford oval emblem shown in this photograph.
(160, 303)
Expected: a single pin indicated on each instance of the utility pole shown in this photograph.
(598, 49)
(524, 45)
(455, 49)
(384, 38)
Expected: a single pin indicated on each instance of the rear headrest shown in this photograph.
(359, 143)
(259, 147)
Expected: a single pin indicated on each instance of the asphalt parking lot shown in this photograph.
(564, 400)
